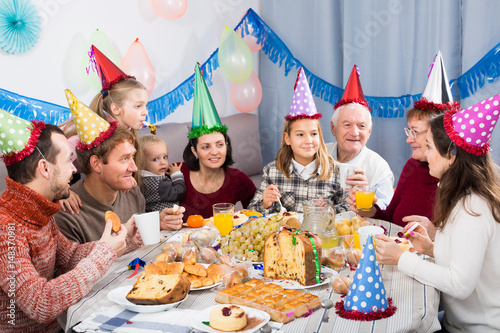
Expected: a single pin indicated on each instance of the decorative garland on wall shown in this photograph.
(486, 69)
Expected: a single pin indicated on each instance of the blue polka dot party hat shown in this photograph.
(366, 298)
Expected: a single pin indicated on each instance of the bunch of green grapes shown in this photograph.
(248, 240)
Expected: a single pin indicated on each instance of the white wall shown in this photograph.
(172, 46)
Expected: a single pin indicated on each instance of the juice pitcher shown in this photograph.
(319, 217)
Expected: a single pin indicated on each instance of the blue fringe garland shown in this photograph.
(486, 69)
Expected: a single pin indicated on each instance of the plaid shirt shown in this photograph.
(295, 190)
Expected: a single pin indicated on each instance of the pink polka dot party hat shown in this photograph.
(303, 103)
(366, 299)
(471, 128)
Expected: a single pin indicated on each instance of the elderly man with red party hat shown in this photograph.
(38, 160)
(351, 125)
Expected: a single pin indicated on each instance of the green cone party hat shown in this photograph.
(205, 117)
(18, 137)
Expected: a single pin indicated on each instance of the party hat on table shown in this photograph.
(91, 128)
(205, 117)
(437, 93)
(303, 103)
(353, 92)
(108, 72)
(366, 298)
(471, 128)
(18, 137)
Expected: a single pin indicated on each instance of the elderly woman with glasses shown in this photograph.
(416, 190)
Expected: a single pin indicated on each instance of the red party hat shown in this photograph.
(353, 92)
(108, 72)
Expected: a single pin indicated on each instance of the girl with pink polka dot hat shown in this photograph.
(303, 168)
(466, 267)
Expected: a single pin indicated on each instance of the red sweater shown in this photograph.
(236, 187)
(31, 248)
(414, 195)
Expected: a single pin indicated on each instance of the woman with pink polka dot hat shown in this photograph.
(303, 168)
(467, 216)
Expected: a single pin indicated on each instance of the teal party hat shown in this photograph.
(205, 117)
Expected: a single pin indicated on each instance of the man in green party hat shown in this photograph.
(208, 157)
(38, 160)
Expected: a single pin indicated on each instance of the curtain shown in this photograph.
(393, 42)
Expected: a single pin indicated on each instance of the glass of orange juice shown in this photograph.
(364, 197)
(223, 217)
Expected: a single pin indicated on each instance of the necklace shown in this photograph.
(203, 188)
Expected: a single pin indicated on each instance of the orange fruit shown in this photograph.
(109, 215)
(195, 221)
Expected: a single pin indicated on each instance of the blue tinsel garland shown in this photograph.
(19, 25)
(487, 69)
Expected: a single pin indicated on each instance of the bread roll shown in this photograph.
(353, 255)
(208, 255)
(173, 268)
(196, 269)
(231, 279)
(176, 246)
(190, 255)
(166, 256)
(333, 258)
(341, 284)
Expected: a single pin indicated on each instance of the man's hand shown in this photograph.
(358, 178)
(132, 232)
(72, 204)
(170, 220)
(115, 240)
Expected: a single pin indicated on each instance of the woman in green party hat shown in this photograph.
(207, 156)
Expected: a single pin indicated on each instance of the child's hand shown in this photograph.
(72, 203)
(174, 167)
(271, 194)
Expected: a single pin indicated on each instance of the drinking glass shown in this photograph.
(364, 197)
(223, 217)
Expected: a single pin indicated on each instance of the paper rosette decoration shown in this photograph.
(205, 117)
(437, 92)
(353, 92)
(19, 25)
(90, 127)
(471, 128)
(366, 298)
(303, 106)
(18, 137)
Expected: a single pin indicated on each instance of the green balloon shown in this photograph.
(235, 57)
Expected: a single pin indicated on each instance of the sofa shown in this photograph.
(243, 129)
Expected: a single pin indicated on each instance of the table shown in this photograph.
(417, 304)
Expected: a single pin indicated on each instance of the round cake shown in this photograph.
(227, 318)
(239, 218)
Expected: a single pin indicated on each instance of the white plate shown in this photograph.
(326, 272)
(119, 294)
(205, 316)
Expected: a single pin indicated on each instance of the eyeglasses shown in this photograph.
(413, 133)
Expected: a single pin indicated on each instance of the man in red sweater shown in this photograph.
(38, 160)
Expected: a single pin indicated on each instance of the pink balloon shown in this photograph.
(136, 62)
(250, 40)
(246, 95)
(169, 9)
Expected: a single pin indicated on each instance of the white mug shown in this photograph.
(345, 170)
